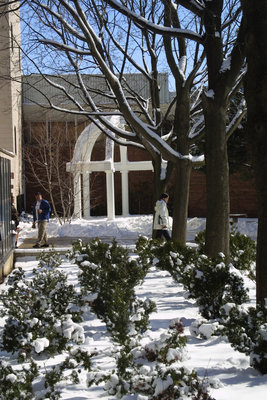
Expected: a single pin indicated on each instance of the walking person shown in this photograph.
(15, 221)
(161, 220)
(41, 213)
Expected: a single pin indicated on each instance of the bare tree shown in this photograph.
(89, 51)
(224, 69)
(219, 21)
(91, 36)
(45, 156)
(46, 169)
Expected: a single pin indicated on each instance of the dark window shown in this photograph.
(5, 211)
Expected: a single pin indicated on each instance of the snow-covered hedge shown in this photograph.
(246, 330)
(155, 370)
(218, 289)
(242, 251)
(17, 384)
(211, 282)
(108, 272)
(42, 313)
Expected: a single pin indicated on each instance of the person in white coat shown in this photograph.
(161, 220)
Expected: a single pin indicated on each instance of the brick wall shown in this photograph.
(243, 198)
(242, 191)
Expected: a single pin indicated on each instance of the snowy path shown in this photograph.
(213, 357)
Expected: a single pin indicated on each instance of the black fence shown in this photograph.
(5, 212)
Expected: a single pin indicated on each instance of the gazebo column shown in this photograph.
(125, 193)
(124, 181)
(110, 194)
(86, 195)
(77, 195)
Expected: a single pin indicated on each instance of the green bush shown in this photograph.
(108, 272)
(242, 251)
(246, 330)
(76, 362)
(50, 259)
(17, 384)
(153, 370)
(39, 311)
(214, 284)
(211, 282)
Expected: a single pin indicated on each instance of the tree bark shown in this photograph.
(217, 179)
(255, 16)
(214, 108)
(183, 166)
(180, 201)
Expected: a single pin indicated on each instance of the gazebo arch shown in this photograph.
(81, 166)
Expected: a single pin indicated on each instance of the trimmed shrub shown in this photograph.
(217, 288)
(76, 362)
(211, 282)
(17, 384)
(242, 251)
(246, 330)
(108, 272)
(155, 370)
(42, 313)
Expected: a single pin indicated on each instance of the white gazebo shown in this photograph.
(81, 166)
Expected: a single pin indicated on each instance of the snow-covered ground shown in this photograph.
(124, 228)
(213, 357)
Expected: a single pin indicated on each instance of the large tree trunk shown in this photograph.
(214, 106)
(183, 165)
(255, 16)
(217, 178)
(180, 201)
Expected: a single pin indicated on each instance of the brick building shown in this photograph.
(37, 118)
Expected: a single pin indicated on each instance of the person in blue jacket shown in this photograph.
(41, 213)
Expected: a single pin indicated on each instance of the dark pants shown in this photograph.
(163, 232)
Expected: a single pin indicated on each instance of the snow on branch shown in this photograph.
(140, 131)
(49, 11)
(112, 135)
(182, 66)
(159, 29)
(195, 128)
(226, 64)
(65, 47)
(197, 6)
(235, 121)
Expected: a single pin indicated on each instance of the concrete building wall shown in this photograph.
(10, 95)
(36, 89)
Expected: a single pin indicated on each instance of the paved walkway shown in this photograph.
(63, 244)
(67, 241)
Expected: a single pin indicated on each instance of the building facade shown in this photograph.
(93, 171)
(10, 131)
